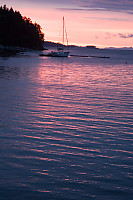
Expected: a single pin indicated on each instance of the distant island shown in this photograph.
(19, 31)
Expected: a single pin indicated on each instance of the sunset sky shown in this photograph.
(104, 23)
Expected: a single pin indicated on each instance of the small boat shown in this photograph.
(60, 51)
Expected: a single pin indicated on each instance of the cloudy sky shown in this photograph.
(102, 23)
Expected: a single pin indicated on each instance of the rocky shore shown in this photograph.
(6, 51)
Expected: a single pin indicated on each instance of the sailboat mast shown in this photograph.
(63, 30)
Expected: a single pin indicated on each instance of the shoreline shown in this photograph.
(7, 51)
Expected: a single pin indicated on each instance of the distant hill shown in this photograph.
(53, 44)
(16, 30)
(50, 44)
(91, 47)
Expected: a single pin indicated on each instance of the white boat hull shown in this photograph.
(59, 54)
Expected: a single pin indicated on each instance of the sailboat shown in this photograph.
(60, 51)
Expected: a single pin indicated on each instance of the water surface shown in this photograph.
(66, 127)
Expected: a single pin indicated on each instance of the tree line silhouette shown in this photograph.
(16, 30)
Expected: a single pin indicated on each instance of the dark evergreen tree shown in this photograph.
(16, 30)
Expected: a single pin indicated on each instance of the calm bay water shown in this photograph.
(66, 127)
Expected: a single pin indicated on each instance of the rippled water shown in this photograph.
(66, 127)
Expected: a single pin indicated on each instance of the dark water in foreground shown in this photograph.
(66, 127)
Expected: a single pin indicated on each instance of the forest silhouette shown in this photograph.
(16, 30)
